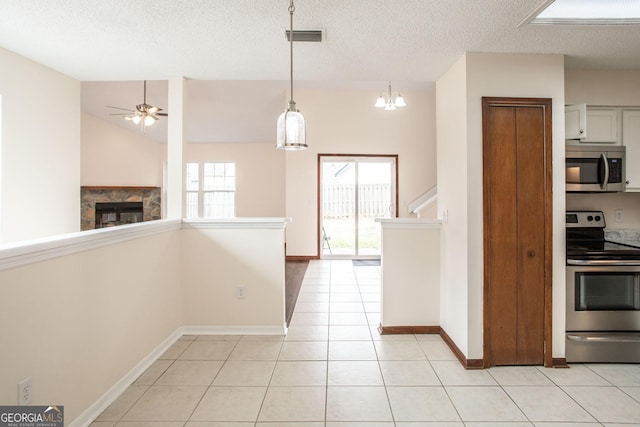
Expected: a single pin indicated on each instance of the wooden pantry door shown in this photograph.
(517, 231)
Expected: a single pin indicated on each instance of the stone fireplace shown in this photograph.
(118, 213)
(110, 206)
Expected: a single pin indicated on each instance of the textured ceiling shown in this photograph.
(410, 41)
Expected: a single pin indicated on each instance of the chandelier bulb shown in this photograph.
(399, 102)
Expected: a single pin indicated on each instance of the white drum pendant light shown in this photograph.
(291, 128)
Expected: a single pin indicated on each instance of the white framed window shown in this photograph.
(210, 190)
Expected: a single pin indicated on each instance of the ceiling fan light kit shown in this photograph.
(392, 101)
(291, 130)
(144, 113)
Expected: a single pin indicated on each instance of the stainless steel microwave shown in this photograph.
(595, 168)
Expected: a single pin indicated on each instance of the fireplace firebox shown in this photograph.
(118, 213)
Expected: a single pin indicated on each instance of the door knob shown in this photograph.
(531, 253)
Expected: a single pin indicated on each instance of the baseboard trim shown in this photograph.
(391, 330)
(301, 257)
(234, 330)
(466, 363)
(559, 362)
(93, 411)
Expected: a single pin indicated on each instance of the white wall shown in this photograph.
(345, 122)
(113, 156)
(502, 75)
(87, 318)
(609, 203)
(605, 87)
(453, 179)
(260, 175)
(602, 87)
(40, 150)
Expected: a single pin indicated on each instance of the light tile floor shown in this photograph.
(333, 369)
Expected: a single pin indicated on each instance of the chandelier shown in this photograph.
(291, 133)
(391, 101)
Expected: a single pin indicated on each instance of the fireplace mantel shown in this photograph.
(116, 187)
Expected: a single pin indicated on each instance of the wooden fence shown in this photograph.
(338, 200)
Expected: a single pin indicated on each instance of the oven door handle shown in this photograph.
(632, 337)
(605, 262)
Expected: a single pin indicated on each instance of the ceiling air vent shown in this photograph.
(305, 35)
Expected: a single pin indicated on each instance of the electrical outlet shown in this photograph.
(619, 217)
(25, 391)
(241, 292)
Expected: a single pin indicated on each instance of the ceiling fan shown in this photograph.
(144, 113)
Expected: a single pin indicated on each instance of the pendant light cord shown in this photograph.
(292, 8)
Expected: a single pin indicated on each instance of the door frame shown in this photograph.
(319, 189)
(545, 104)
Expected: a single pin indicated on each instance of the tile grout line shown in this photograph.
(384, 382)
(510, 397)
(224, 362)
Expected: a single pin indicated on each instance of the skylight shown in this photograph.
(588, 12)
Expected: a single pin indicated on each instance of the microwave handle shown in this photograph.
(605, 178)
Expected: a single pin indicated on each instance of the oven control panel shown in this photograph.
(575, 219)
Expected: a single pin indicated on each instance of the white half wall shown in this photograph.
(40, 193)
(220, 256)
(79, 323)
(410, 272)
(86, 313)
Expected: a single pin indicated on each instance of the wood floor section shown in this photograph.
(293, 275)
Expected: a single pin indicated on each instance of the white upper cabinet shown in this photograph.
(602, 127)
(587, 125)
(631, 139)
(575, 121)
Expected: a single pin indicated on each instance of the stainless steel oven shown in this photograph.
(603, 294)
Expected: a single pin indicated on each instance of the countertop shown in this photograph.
(629, 237)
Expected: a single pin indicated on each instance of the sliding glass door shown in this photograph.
(354, 191)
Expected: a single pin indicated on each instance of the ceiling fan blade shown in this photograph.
(162, 114)
(118, 108)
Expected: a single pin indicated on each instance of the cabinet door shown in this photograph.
(602, 127)
(575, 122)
(631, 139)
